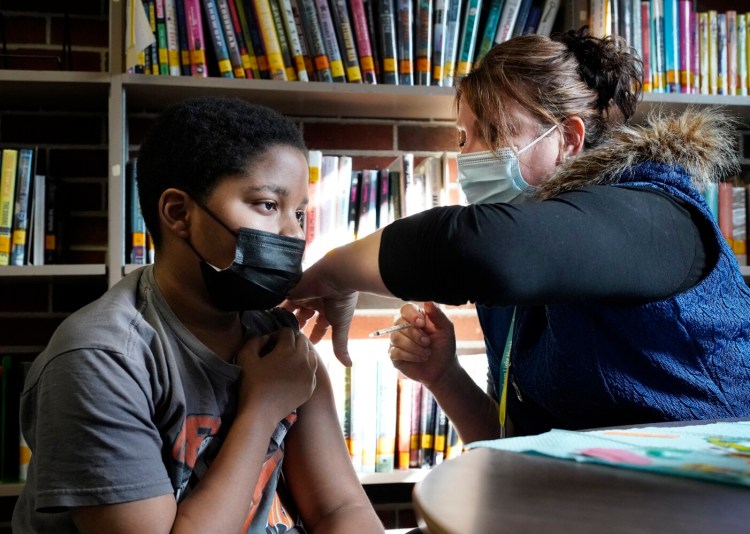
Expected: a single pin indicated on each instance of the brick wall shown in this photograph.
(73, 146)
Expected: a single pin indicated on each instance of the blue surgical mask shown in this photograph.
(489, 177)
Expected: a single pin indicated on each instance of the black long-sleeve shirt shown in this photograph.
(621, 244)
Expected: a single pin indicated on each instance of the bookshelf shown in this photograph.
(121, 96)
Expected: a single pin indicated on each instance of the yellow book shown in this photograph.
(270, 39)
(7, 199)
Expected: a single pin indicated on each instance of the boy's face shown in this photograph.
(271, 196)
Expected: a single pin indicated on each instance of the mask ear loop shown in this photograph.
(535, 141)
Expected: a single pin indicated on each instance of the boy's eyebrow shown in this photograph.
(273, 188)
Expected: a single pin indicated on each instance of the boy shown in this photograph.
(168, 404)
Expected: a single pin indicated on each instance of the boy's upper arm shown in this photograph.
(155, 515)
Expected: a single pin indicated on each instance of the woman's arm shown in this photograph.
(319, 471)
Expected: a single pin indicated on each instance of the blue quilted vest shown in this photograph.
(582, 366)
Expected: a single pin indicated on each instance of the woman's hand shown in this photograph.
(278, 372)
(426, 352)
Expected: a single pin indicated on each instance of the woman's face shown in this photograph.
(537, 163)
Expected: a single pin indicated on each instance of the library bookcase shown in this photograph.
(87, 117)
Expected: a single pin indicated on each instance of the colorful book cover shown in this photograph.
(346, 39)
(423, 42)
(428, 415)
(686, 46)
(216, 33)
(387, 40)
(405, 41)
(507, 20)
(490, 29)
(195, 38)
(19, 242)
(671, 46)
(173, 41)
(646, 45)
(658, 70)
(330, 40)
(246, 12)
(295, 42)
(8, 170)
(364, 45)
(713, 52)
(136, 224)
(314, 33)
(161, 37)
(271, 45)
(375, 45)
(438, 41)
(304, 41)
(452, 29)
(233, 47)
(286, 49)
(469, 32)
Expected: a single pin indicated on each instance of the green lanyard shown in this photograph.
(504, 372)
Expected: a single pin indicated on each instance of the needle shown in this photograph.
(384, 331)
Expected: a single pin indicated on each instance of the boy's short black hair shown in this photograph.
(197, 142)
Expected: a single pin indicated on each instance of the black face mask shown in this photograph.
(266, 267)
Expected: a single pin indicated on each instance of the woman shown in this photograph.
(604, 288)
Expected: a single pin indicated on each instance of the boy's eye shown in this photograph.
(270, 206)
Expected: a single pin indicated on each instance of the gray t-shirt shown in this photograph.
(126, 404)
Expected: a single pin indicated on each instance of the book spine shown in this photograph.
(386, 416)
(364, 46)
(405, 41)
(646, 45)
(703, 44)
(658, 73)
(354, 196)
(373, 30)
(173, 42)
(403, 421)
(8, 170)
(549, 15)
(637, 43)
(196, 41)
(235, 58)
(725, 211)
(21, 207)
(686, 50)
(490, 28)
(286, 51)
(507, 20)
(295, 42)
(388, 32)
(304, 41)
(312, 216)
(671, 47)
(469, 31)
(243, 45)
(252, 53)
(598, 10)
(523, 14)
(532, 23)
(51, 243)
(713, 52)
(153, 48)
(721, 23)
(452, 29)
(217, 38)
(161, 37)
(256, 39)
(346, 39)
(415, 446)
(423, 52)
(438, 41)
(742, 54)
(322, 62)
(37, 221)
(694, 35)
(271, 45)
(182, 34)
(329, 39)
(732, 84)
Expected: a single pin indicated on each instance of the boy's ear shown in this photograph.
(574, 136)
(174, 212)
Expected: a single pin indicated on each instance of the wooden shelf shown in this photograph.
(52, 271)
(11, 489)
(318, 99)
(397, 476)
(738, 106)
(30, 89)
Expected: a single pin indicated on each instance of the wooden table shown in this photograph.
(485, 491)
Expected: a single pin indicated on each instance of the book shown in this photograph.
(713, 52)
(405, 41)
(185, 68)
(368, 195)
(314, 33)
(253, 40)
(646, 45)
(364, 44)
(300, 58)
(233, 45)
(161, 37)
(373, 30)
(576, 13)
(343, 184)
(303, 41)
(469, 31)
(195, 38)
(19, 241)
(312, 215)
(507, 20)
(549, 15)
(387, 406)
(346, 40)
(491, 21)
(328, 189)
(403, 420)
(438, 41)
(732, 81)
(173, 42)
(271, 45)
(671, 46)
(739, 223)
(598, 17)
(742, 63)
(387, 41)
(637, 42)
(8, 170)
(353, 211)
(51, 221)
(423, 42)
(723, 71)
(658, 71)
(285, 47)
(244, 46)
(36, 225)
(452, 29)
(532, 22)
(523, 15)
(415, 437)
(328, 31)
(137, 226)
(686, 50)
(725, 211)
(382, 212)
(216, 33)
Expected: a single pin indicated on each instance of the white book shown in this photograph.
(507, 21)
(549, 14)
(36, 226)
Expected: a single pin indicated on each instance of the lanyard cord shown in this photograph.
(504, 372)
